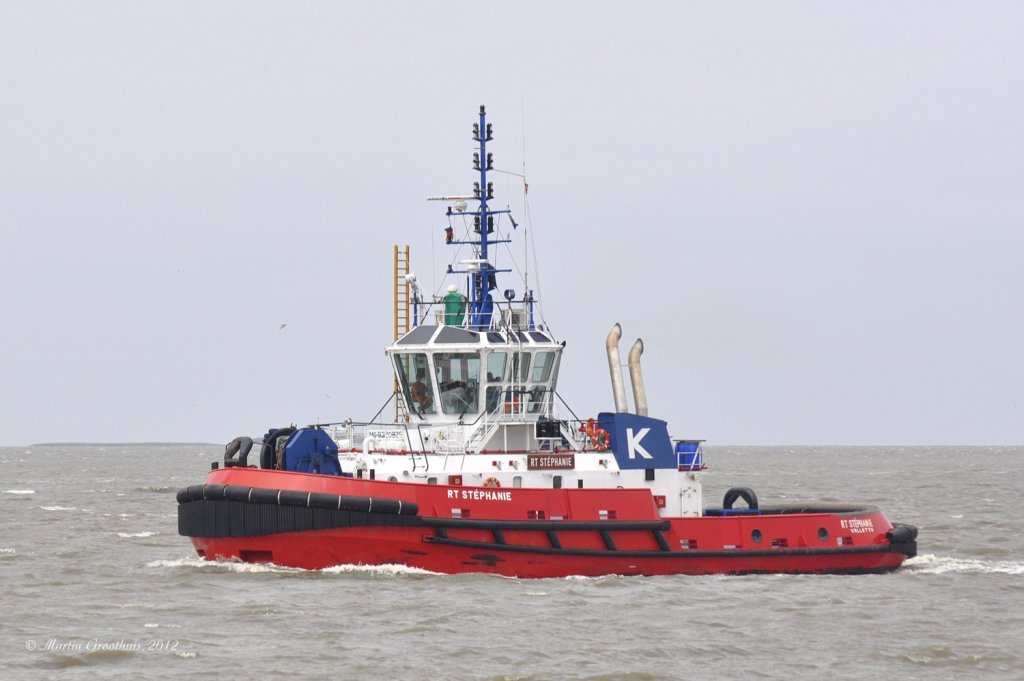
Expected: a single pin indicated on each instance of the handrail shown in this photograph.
(467, 437)
(379, 411)
(566, 405)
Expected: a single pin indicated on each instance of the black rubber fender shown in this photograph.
(744, 493)
(236, 452)
(213, 492)
(322, 500)
(190, 493)
(237, 493)
(289, 497)
(296, 498)
(262, 495)
(901, 534)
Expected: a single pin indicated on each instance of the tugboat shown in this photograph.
(480, 471)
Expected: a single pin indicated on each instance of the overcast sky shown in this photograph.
(811, 212)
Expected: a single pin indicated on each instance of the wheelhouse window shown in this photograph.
(519, 382)
(520, 367)
(414, 379)
(458, 379)
(496, 362)
(536, 398)
(542, 365)
(493, 398)
(496, 366)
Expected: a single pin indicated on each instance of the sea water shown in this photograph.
(97, 583)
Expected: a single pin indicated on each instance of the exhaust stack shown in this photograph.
(615, 369)
(637, 378)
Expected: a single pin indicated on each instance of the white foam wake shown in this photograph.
(239, 566)
(930, 564)
(219, 565)
(385, 570)
(128, 535)
(19, 491)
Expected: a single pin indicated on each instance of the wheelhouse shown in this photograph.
(447, 373)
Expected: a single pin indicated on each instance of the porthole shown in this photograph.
(822, 534)
(755, 535)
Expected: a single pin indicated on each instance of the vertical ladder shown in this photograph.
(401, 314)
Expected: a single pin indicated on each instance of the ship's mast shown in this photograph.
(482, 134)
(480, 270)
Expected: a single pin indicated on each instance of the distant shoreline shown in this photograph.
(117, 444)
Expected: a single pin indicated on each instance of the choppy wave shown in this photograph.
(930, 564)
(974, 561)
(58, 508)
(129, 535)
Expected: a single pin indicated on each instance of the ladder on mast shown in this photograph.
(401, 314)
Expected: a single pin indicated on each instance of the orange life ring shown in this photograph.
(597, 435)
(492, 482)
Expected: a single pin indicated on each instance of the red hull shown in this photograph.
(525, 532)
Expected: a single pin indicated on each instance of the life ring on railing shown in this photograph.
(597, 435)
(492, 482)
